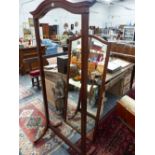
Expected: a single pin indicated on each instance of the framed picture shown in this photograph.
(31, 24)
(72, 26)
(76, 24)
(27, 34)
(27, 31)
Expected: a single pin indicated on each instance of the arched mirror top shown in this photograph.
(76, 7)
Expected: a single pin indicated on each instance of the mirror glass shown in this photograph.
(64, 72)
(74, 85)
(96, 62)
(56, 28)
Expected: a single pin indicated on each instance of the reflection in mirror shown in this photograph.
(96, 62)
(55, 31)
(74, 81)
(60, 80)
(56, 27)
(57, 87)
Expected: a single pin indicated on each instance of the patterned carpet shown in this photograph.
(113, 138)
(31, 125)
(23, 92)
(32, 122)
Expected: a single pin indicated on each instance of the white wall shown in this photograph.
(100, 15)
(59, 17)
(24, 13)
(118, 14)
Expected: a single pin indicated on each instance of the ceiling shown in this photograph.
(112, 1)
(120, 3)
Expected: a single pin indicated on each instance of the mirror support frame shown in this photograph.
(76, 8)
(102, 88)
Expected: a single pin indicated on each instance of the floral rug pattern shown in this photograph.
(23, 92)
(113, 138)
(32, 122)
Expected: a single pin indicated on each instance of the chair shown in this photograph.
(35, 77)
(34, 73)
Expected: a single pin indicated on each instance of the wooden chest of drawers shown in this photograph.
(122, 86)
(26, 53)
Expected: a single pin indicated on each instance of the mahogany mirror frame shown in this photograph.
(75, 8)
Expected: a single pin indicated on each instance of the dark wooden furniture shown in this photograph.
(45, 28)
(62, 64)
(83, 9)
(29, 53)
(76, 8)
(35, 77)
(123, 48)
(49, 31)
(53, 30)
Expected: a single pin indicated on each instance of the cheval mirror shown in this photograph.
(86, 71)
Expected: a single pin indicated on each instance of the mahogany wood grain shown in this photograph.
(76, 8)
